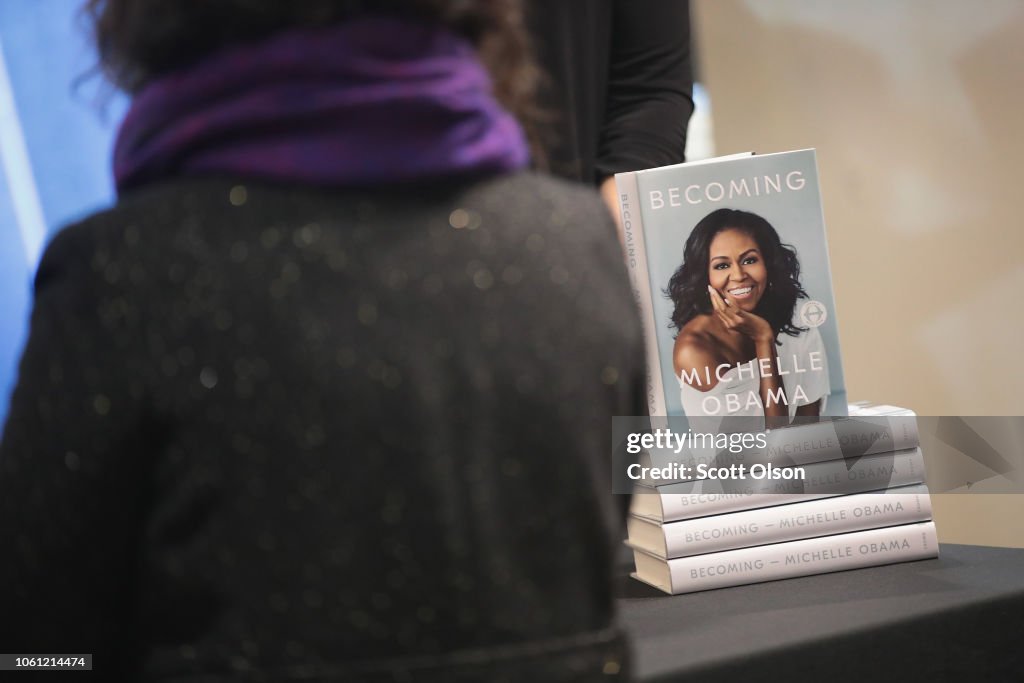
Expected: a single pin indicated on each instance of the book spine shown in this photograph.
(840, 438)
(804, 558)
(636, 259)
(837, 515)
(833, 478)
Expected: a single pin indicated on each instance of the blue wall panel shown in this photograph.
(63, 117)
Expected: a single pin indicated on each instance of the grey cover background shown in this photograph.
(795, 215)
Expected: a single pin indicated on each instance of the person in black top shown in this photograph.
(326, 395)
(619, 88)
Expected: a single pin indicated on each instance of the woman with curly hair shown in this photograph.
(323, 396)
(737, 351)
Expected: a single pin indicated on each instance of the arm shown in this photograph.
(70, 493)
(771, 389)
(815, 384)
(694, 362)
(650, 84)
(757, 329)
(809, 409)
(611, 200)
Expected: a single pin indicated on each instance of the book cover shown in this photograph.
(730, 269)
(788, 560)
(824, 517)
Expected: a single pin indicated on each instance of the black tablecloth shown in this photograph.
(959, 617)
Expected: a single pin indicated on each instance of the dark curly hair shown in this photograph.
(139, 40)
(688, 288)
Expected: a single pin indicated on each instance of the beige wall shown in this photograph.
(916, 108)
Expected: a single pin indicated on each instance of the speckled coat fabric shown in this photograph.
(266, 433)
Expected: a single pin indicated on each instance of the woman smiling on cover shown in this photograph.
(735, 295)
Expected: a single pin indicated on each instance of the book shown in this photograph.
(871, 409)
(780, 523)
(701, 498)
(805, 557)
(800, 444)
(761, 215)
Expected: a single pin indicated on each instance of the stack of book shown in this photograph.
(860, 502)
(729, 264)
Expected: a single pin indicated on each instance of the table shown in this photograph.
(958, 617)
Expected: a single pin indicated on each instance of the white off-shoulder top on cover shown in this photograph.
(732, 395)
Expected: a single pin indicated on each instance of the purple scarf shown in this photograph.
(372, 101)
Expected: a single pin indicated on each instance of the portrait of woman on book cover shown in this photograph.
(747, 342)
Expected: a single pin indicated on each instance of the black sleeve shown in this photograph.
(70, 458)
(650, 86)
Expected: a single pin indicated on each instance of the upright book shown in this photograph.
(730, 268)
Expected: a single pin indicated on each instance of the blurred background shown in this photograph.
(57, 122)
(916, 108)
